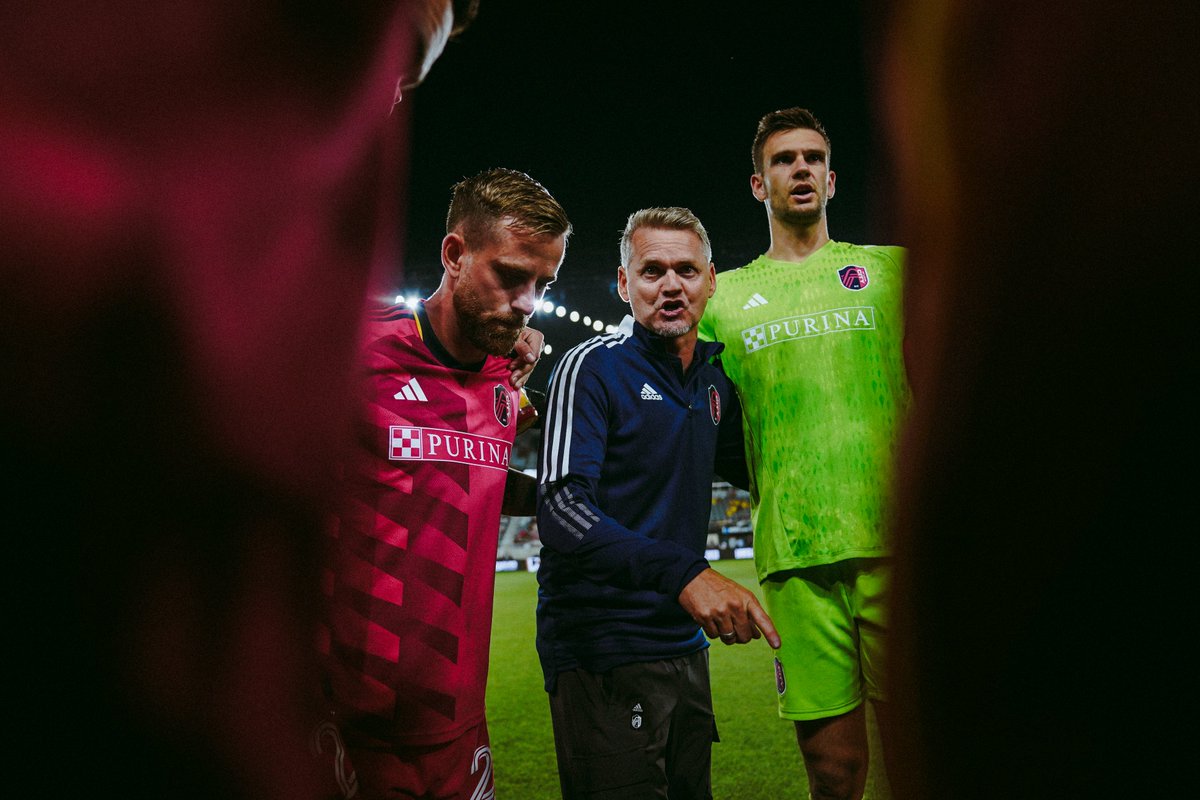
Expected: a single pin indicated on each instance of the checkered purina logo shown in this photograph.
(412, 443)
(754, 338)
(406, 443)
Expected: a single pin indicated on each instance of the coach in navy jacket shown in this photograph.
(636, 423)
(626, 492)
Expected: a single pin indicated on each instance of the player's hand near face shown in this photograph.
(726, 610)
(525, 355)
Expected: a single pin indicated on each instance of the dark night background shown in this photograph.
(621, 105)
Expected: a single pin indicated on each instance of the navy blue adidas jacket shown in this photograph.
(629, 447)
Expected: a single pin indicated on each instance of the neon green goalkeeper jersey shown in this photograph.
(815, 349)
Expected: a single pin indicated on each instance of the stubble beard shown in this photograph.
(784, 212)
(493, 332)
(672, 330)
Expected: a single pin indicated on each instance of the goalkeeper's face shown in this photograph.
(796, 182)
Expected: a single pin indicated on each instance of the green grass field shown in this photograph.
(756, 758)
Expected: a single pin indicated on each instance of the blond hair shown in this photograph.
(478, 203)
(674, 218)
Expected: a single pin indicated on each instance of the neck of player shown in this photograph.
(795, 242)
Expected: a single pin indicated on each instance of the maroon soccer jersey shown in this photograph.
(414, 546)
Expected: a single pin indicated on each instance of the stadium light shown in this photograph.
(546, 307)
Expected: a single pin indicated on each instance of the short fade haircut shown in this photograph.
(786, 119)
(478, 204)
(673, 218)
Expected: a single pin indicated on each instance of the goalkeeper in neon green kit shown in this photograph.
(813, 334)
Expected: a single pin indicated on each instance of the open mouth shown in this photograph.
(672, 308)
(802, 192)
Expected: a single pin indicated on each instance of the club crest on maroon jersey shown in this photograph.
(714, 404)
(854, 277)
(503, 405)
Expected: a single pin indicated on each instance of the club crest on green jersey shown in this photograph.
(854, 277)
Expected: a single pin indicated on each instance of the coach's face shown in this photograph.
(667, 281)
(500, 282)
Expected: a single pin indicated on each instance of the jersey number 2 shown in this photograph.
(482, 763)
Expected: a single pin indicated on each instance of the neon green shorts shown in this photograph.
(831, 624)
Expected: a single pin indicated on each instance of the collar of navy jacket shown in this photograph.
(657, 345)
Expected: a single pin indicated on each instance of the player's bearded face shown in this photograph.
(492, 331)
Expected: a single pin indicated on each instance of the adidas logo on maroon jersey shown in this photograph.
(411, 391)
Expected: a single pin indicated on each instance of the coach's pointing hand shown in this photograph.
(726, 610)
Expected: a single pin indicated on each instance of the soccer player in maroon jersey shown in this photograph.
(188, 221)
(412, 569)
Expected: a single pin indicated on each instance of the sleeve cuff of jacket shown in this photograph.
(692, 571)
(672, 566)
